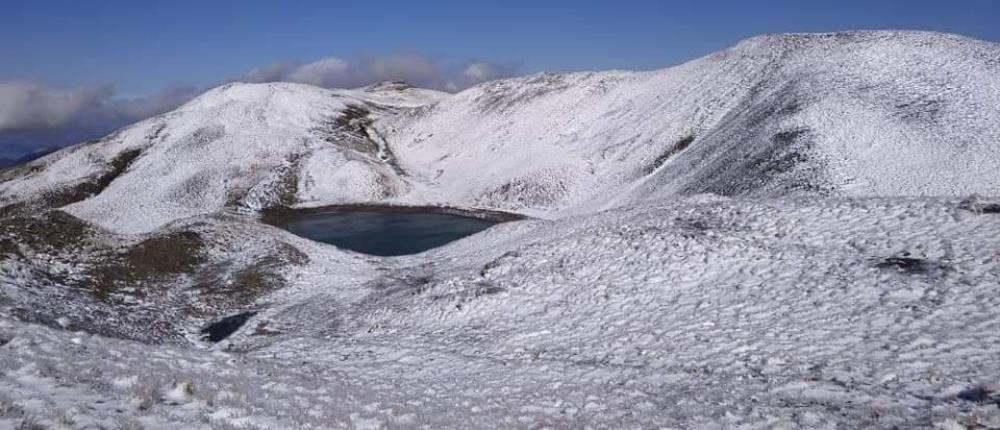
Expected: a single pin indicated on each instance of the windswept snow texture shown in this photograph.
(800, 231)
(691, 313)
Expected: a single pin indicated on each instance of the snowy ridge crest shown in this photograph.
(873, 113)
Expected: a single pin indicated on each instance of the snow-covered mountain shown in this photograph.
(236, 146)
(869, 113)
(856, 114)
(781, 234)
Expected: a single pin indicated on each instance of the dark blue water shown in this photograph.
(385, 234)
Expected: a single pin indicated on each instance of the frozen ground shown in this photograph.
(701, 312)
(777, 235)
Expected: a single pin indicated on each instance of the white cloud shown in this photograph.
(27, 105)
(418, 70)
(325, 72)
(270, 73)
(480, 72)
(33, 116)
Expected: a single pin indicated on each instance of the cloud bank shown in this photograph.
(34, 116)
(417, 70)
(30, 105)
(26, 106)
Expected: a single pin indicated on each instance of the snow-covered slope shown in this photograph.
(237, 146)
(702, 312)
(863, 113)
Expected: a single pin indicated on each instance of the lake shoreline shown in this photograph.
(279, 216)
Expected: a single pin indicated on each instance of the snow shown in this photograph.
(811, 258)
(691, 312)
(881, 114)
(209, 153)
(255, 129)
(851, 114)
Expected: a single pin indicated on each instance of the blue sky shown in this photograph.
(121, 49)
(143, 46)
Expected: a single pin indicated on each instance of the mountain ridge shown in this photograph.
(852, 113)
